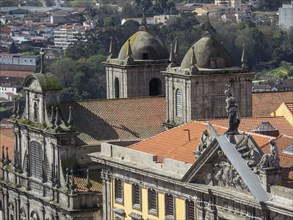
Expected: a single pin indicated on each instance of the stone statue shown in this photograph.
(270, 160)
(232, 112)
(203, 143)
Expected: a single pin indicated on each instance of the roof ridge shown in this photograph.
(105, 99)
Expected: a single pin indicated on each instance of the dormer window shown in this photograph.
(145, 55)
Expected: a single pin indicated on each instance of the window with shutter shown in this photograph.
(152, 201)
(169, 205)
(136, 197)
(190, 212)
(36, 159)
(118, 191)
(178, 103)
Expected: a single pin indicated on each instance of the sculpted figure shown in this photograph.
(270, 160)
(232, 112)
(203, 142)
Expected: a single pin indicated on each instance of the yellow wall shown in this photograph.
(283, 111)
(179, 203)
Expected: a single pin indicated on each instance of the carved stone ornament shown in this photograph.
(205, 140)
(223, 173)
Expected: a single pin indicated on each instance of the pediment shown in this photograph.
(229, 162)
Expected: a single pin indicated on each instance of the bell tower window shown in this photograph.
(155, 87)
(145, 55)
(178, 103)
(117, 95)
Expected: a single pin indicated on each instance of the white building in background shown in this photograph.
(67, 34)
(231, 3)
(286, 16)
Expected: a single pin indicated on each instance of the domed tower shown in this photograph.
(195, 89)
(137, 69)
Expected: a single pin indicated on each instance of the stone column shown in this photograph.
(105, 176)
(28, 209)
(5, 204)
(27, 102)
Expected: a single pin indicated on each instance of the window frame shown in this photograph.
(136, 191)
(169, 216)
(119, 196)
(152, 209)
(187, 210)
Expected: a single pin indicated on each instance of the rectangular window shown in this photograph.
(190, 211)
(118, 191)
(169, 206)
(136, 197)
(152, 202)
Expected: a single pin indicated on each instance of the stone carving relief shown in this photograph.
(225, 173)
(205, 140)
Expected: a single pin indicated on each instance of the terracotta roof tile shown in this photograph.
(175, 144)
(117, 119)
(248, 124)
(289, 105)
(264, 103)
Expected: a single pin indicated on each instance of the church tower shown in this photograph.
(137, 69)
(194, 90)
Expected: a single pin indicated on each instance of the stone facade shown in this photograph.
(36, 182)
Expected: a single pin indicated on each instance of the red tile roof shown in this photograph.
(117, 119)
(248, 124)
(176, 144)
(22, 74)
(264, 103)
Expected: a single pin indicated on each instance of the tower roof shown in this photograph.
(209, 53)
(144, 46)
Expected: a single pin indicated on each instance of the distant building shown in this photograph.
(286, 16)
(9, 87)
(67, 34)
(19, 62)
(165, 19)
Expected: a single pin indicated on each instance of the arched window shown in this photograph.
(117, 89)
(36, 159)
(155, 87)
(178, 103)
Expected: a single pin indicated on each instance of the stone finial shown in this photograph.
(193, 62)
(70, 120)
(244, 59)
(129, 58)
(176, 47)
(111, 48)
(7, 160)
(72, 182)
(3, 155)
(17, 108)
(171, 57)
(57, 118)
(14, 107)
(209, 29)
(43, 68)
(143, 25)
(232, 112)
(67, 178)
(88, 185)
(52, 117)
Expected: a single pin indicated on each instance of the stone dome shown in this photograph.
(144, 46)
(209, 53)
